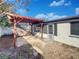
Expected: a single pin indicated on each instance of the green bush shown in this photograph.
(4, 22)
(2, 56)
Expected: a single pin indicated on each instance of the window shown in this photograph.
(50, 29)
(55, 29)
(74, 28)
(45, 29)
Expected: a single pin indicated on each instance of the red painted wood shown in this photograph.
(25, 19)
(16, 19)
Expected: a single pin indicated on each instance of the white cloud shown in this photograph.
(77, 11)
(42, 16)
(55, 3)
(67, 4)
(56, 17)
(49, 16)
(60, 3)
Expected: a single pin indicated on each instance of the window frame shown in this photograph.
(73, 29)
(50, 32)
(55, 29)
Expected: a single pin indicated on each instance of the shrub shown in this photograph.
(4, 21)
(2, 56)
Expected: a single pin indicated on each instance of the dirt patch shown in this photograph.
(6, 41)
(25, 51)
(51, 50)
(54, 49)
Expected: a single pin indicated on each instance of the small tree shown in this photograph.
(4, 22)
(10, 6)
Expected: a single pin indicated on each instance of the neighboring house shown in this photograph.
(65, 30)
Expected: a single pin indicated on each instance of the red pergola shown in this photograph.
(15, 19)
(25, 19)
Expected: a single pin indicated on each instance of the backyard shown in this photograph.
(23, 50)
(43, 33)
(50, 50)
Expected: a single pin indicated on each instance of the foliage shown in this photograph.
(4, 21)
(4, 56)
(4, 7)
(11, 6)
(14, 5)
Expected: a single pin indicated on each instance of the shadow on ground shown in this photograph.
(24, 51)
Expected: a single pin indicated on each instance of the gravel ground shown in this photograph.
(51, 50)
(58, 50)
(54, 49)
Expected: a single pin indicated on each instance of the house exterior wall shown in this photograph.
(63, 35)
(25, 26)
(46, 36)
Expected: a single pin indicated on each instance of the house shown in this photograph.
(65, 30)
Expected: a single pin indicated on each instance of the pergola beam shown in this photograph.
(15, 19)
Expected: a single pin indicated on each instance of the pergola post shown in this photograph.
(14, 33)
(41, 30)
(31, 27)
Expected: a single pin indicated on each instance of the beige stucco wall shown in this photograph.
(46, 37)
(63, 36)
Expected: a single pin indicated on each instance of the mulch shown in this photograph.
(23, 52)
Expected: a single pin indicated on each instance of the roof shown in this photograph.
(66, 19)
(25, 19)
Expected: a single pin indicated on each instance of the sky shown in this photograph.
(49, 9)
